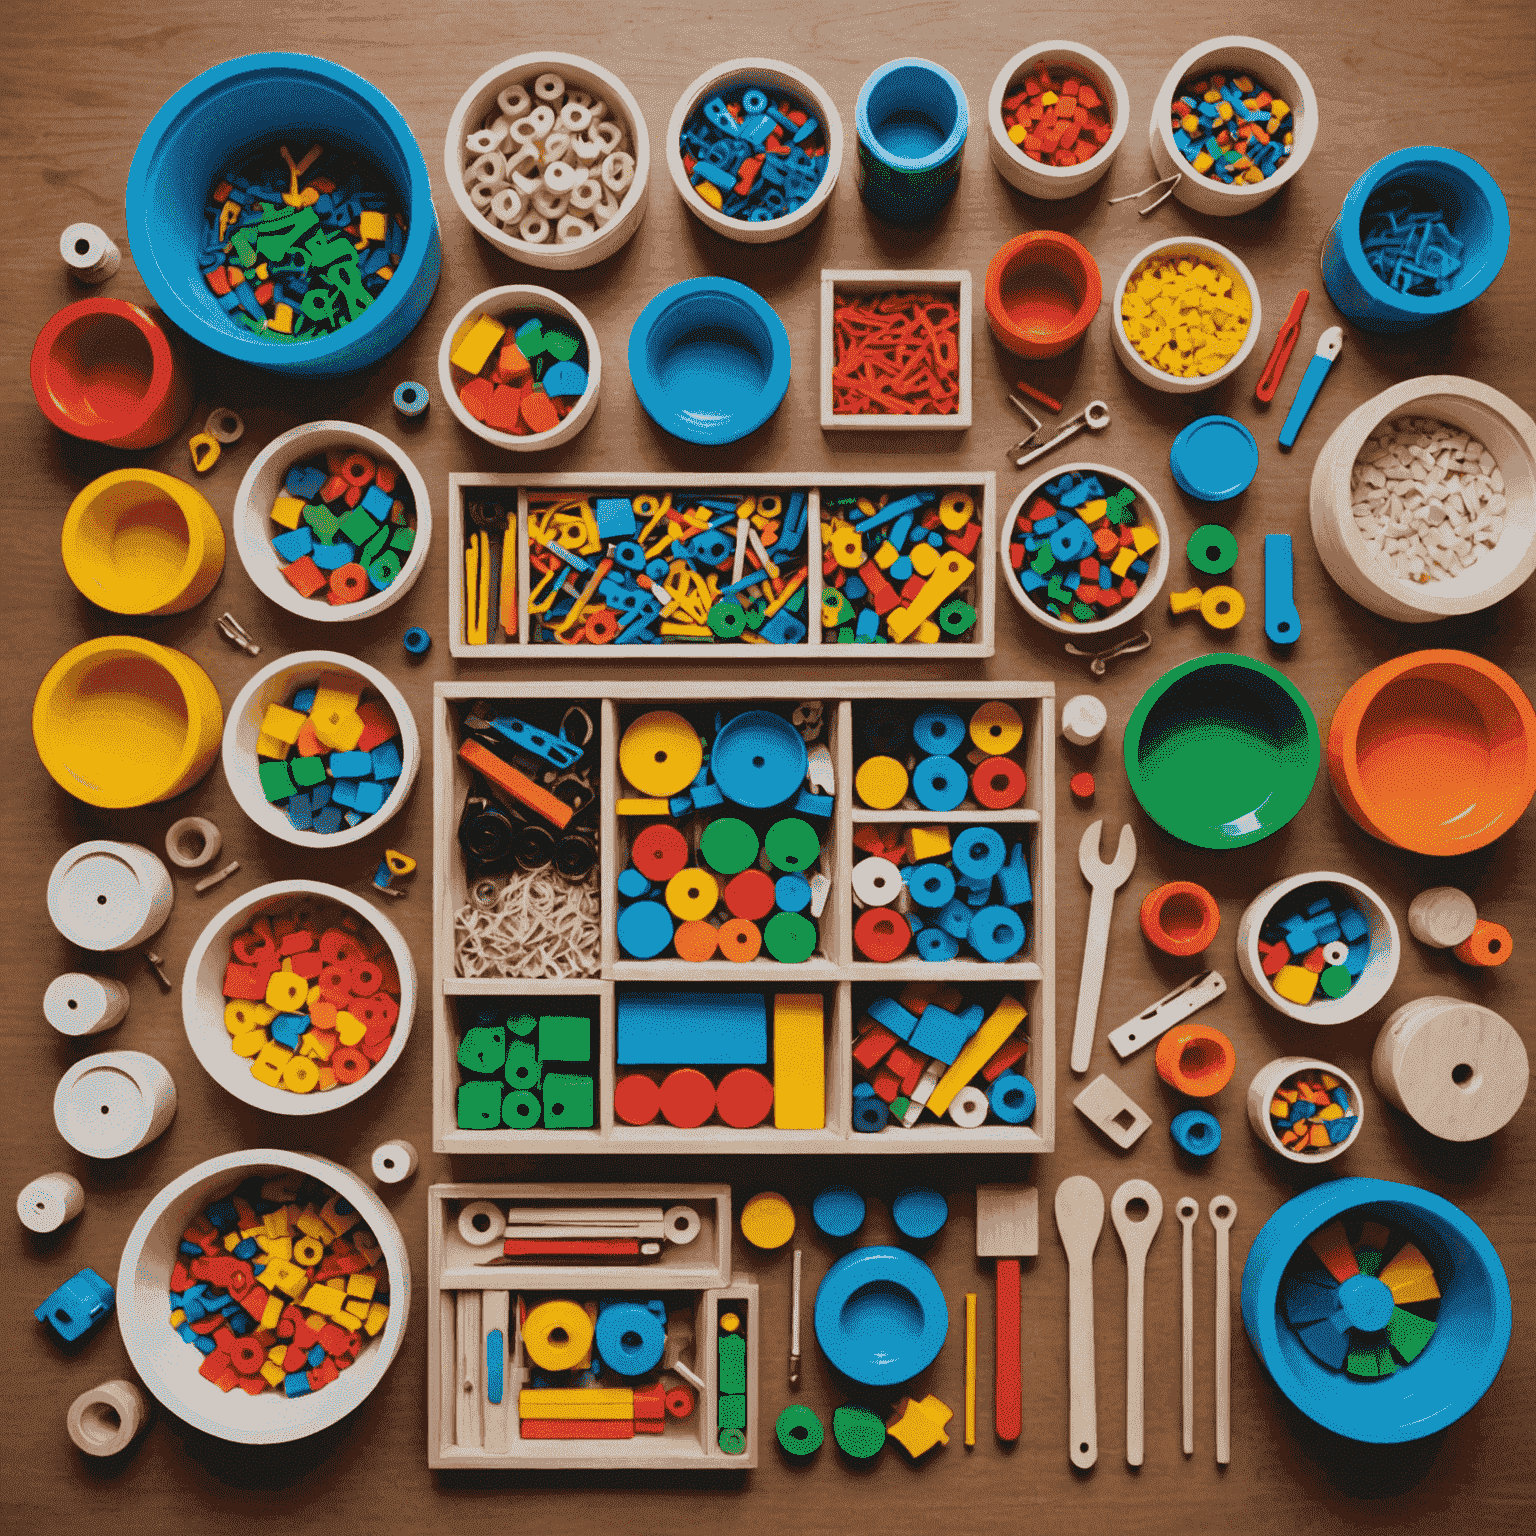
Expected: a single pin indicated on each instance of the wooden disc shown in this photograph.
(1442, 917)
(696, 941)
(687, 1098)
(744, 1098)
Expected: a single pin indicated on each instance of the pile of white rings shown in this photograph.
(549, 165)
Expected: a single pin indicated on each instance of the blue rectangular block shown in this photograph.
(344, 793)
(615, 516)
(370, 797)
(294, 544)
(377, 504)
(351, 765)
(83, 1301)
(332, 556)
(692, 1029)
(386, 761)
(1352, 924)
(899, 1020)
(941, 1033)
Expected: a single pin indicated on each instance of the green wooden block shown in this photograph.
(323, 521)
(357, 527)
(733, 1363)
(523, 1070)
(244, 250)
(483, 1049)
(479, 1106)
(731, 1412)
(523, 1024)
(276, 781)
(307, 771)
(732, 1441)
(403, 539)
(561, 345)
(520, 1109)
(858, 1432)
(568, 1102)
(563, 1038)
(375, 547)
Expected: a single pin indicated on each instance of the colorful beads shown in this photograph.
(1058, 122)
(1312, 1112)
(1185, 315)
(278, 1285)
(1232, 130)
(291, 262)
(1080, 549)
(522, 373)
(895, 354)
(753, 159)
(1314, 946)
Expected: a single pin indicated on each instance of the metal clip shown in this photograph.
(235, 632)
(1168, 181)
(157, 965)
(1098, 661)
(1032, 419)
(1094, 416)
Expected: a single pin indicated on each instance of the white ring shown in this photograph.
(1336, 953)
(196, 831)
(586, 195)
(681, 1223)
(575, 117)
(546, 203)
(482, 194)
(483, 142)
(49, 1202)
(106, 1419)
(506, 206)
(968, 1108)
(549, 86)
(394, 1162)
(542, 118)
(876, 882)
(515, 101)
(571, 229)
(495, 1219)
(534, 229)
(561, 178)
(618, 171)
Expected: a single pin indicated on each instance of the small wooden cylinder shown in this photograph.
(107, 1419)
(50, 1202)
(394, 1162)
(1442, 917)
(1488, 944)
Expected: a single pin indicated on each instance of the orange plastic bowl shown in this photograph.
(1043, 288)
(1434, 752)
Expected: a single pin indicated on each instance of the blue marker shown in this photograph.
(1329, 345)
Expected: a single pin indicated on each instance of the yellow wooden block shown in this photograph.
(976, 1053)
(1018, 133)
(287, 510)
(642, 807)
(925, 559)
(551, 1396)
(1122, 562)
(1409, 1277)
(362, 1286)
(340, 729)
(178, 1317)
(474, 350)
(799, 1062)
(358, 1309)
(1186, 602)
(1092, 511)
(271, 1373)
(314, 1047)
(927, 633)
(232, 1240)
(349, 1030)
(1296, 984)
(273, 1311)
(372, 225)
(241, 1015)
(285, 1276)
(276, 1222)
(270, 746)
(924, 843)
(919, 1426)
(269, 1063)
(326, 1299)
(1143, 538)
(952, 572)
(283, 723)
(311, 1225)
(886, 556)
(280, 1248)
(710, 193)
(337, 688)
(378, 1315)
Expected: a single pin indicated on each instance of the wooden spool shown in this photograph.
(1442, 917)
(1457, 1068)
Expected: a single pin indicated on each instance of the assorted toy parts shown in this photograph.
(1307, 1111)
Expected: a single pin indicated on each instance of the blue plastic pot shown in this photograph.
(218, 119)
(709, 360)
(912, 121)
(1475, 210)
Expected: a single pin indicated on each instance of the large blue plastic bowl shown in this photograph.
(881, 1316)
(709, 360)
(218, 119)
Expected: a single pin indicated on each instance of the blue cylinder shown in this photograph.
(219, 118)
(912, 121)
(1474, 209)
(1196, 1131)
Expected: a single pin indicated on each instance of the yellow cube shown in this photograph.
(272, 1373)
(273, 1311)
(1122, 562)
(886, 556)
(285, 724)
(1143, 538)
(270, 746)
(269, 1063)
(710, 193)
(339, 728)
(358, 1309)
(282, 319)
(1092, 511)
(473, 351)
(1296, 984)
(362, 1286)
(372, 225)
(378, 1315)
(287, 510)
(324, 1298)
(285, 1276)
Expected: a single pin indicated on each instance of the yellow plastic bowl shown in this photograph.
(121, 722)
(137, 541)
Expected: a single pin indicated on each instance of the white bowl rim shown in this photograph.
(1091, 59)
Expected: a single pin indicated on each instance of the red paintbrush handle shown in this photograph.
(1007, 1413)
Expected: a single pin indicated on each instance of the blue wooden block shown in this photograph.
(351, 765)
(386, 761)
(692, 1029)
(78, 1306)
(941, 1033)
(328, 822)
(294, 544)
(899, 1020)
(300, 809)
(344, 792)
(377, 504)
(304, 700)
(1352, 924)
(370, 797)
(1013, 879)
(331, 557)
(288, 1029)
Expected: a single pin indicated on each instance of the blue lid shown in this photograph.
(1214, 459)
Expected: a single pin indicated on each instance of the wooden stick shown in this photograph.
(1223, 1212)
(1188, 1212)
(794, 1324)
(1136, 1236)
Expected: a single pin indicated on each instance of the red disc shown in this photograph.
(998, 782)
(340, 947)
(744, 1098)
(357, 469)
(740, 940)
(349, 583)
(367, 978)
(1083, 786)
(881, 934)
(246, 1356)
(659, 851)
(679, 1402)
(687, 1098)
(602, 626)
(636, 1099)
(348, 1063)
(749, 894)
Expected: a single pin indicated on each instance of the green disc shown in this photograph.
(727, 620)
(1212, 549)
(523, 1069)
(1335, 981)
(790, 937)
(799, 1430)
(858, 1432)
(733, 1442)
(792, 845)
(520, 1110)
(728, 845)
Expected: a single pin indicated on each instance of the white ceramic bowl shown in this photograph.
(1205, 250)
(168, 1365)
(498, 303)
(1274, 71)
(1157, 571)
(1032, 176)
(262, 485)
(1268, 1080)
(1502, 427)
(773, 76)
(479, 103)
(202, 998)
(1372, 983)
(276, 684)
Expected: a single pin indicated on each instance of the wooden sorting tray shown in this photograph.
(832, 971)
(465, 1431)
(980, 591)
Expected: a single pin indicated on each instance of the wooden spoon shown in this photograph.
(1079, 1220)
(1136, 1234)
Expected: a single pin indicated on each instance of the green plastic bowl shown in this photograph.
(1222, 750)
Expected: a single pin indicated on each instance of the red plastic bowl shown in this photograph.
(1043, 289)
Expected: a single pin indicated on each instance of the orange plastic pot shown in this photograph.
(1196, 1060)
(1043, 289)
(1434, 752)
(1181, 918)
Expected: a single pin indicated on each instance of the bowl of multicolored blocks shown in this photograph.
(286, 1330)
(1085, 549)
(297, 998)
(333, 522)
(520, 367)
(1306, 1111)
(320, 749)
(1321, 948)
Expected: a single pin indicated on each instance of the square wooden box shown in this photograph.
(956, 281)
(833, 970)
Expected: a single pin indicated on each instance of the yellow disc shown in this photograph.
(847, 547)
(996, 728)
(881, 782)
(956, 510)
(1222, 607)
(692, 894)
(661, 754)
(557, 1335)
(767, 1220)
(729, 1322)
(308, 1250)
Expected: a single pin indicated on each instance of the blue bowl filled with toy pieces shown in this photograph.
(314, 271)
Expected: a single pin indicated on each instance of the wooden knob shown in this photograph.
(1442, 917)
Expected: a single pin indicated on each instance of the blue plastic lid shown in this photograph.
(1214, 459)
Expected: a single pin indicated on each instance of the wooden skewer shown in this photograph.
(1223, 1211)
(794, 1325)
(1188, 1212)
(970, 1368)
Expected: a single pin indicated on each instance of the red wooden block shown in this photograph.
(882, 595)
(254, 1301)
(885, 1083)
(965, 540)
(378, 726)
(1007, 1407)
(304, 576)
(744, 1098)
(1273, 957)
(245, 982)
(1003, 1058)
(476, 397)
(576, 1429)
(687, 1098)
(650, 1402)
(570, 1247)
(502, 410)
(872, 1045)
(538, 412)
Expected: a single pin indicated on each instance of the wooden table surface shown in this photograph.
(82, 80)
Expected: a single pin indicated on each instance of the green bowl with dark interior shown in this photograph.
(1222, 750)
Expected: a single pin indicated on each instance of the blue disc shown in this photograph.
(978, 853)
(633, 885)
(934, 945)
(931, 885)
(411, 399)
(838, 1210)
(759, 759)
(870, 1114)
(1197, 1132)
(1013, 1098)
(919, 1212)
(417, 641)
(938, 732)
(630, 1338)
(997, 933)
(1214, 458)
(880, 1316)
(645, 929)
(792, 893)
(939, 783)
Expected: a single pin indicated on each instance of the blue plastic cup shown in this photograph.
(912, 121)
(218, 119)
(1474, 208)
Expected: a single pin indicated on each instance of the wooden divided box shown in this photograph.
(552, 1019)
(488, 534)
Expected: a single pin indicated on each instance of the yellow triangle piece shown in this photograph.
(399, 863)
(1409, 1277)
